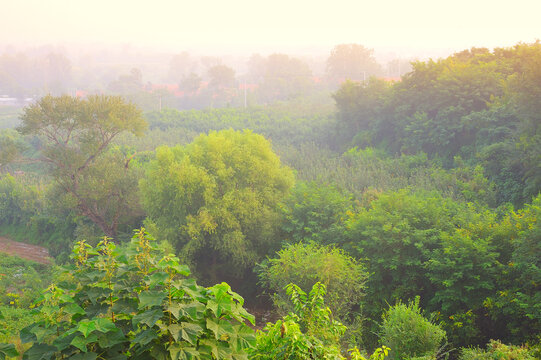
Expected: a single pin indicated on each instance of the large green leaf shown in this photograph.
(158, 278)
(86, 327)
(150, 299)
(74, 309)
(64, 340)
(223, 330)
(178, 351)
(81, 342)
(84, 356)
(144, 337)
(148, 317)
(8, 350)
(193, 310)
(27, 334)
(243, 337)
(125, 306)
(95, 293)
(186, 331)
(104, 325)
(111, 338)
(39, 352)
(218, 349)
(44, 332)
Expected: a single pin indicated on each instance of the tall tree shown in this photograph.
(180, 65)
(216, 201)
(190, 83)
(352, 61)
(221, 76)
(285, 77)
(97, 181)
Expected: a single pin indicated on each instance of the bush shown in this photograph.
(408, 333)
(315, 212)
(497, 351)
(306, 333)
(133, 303)
(307, 264)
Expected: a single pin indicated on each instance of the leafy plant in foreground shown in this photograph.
(132, 303)
(6, 350)
(309, 332)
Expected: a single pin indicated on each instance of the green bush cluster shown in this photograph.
(307, 264)
(495, 350)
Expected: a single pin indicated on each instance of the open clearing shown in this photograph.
(26, 251)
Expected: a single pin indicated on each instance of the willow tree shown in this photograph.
(216, 200)
(78, 135)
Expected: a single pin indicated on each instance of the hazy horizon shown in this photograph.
(417, 28)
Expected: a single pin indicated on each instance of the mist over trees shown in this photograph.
(352, 212)
(184, 80)
(353, 62)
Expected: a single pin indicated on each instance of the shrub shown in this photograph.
(315, 212)
(133, 303)
(305, 265)
(497, 351)
(408, 333)
(21, 281)
(308, 332)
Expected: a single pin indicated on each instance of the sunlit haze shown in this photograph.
(246, 26)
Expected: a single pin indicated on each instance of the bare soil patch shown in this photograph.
(26, 251)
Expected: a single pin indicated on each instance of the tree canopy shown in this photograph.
(216, 199)
(77, 136)
(352, 61)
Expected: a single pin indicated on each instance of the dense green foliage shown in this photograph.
(477, 104)
(135, 303)
(517, 304)
(359, 170)
(215, 200)
(282, 124)
(315, 212)
(452, 254)
(21, 284)
(17, 202)
(11, 146)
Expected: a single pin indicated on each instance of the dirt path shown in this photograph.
(26, 251)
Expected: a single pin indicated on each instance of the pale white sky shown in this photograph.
(245, 24)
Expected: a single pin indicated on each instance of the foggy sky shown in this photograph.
(248, 25)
